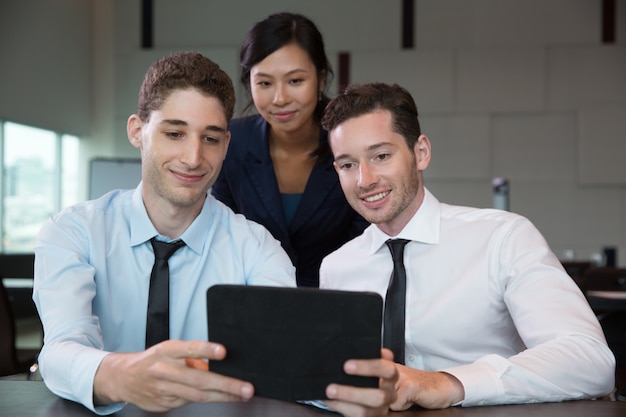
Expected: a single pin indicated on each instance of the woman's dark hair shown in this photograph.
(276, 31)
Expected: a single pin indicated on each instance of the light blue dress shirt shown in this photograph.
(92, 275)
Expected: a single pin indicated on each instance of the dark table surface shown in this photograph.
(33, 399)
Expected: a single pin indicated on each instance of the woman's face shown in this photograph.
(285, 89)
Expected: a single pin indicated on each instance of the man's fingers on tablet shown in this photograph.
(196, 349)
(386, 354)
(354, 410)
(219, 387)
(348, 397)
(212, 387)
(240, 389)
(371, 367)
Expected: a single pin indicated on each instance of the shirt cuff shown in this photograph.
(105, 410)
(481, 380)
(87, 363)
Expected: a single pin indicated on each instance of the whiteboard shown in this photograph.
(107, 174)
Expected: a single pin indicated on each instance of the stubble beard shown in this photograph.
(183, 197)
(404, 195)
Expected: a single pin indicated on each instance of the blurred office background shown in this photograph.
(533, 91)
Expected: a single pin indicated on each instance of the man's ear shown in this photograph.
(422, 152)
(133, 130)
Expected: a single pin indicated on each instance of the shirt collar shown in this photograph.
(423, 227)
(141, 228)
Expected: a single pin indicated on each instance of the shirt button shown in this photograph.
(411, 358)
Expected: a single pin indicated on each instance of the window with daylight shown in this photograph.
(39, 177)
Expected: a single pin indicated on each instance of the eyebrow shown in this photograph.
(369, 149)
(262, 74)
(178, 122)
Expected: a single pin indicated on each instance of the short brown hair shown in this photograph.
(360, 99)
(180, 71)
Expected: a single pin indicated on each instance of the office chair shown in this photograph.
(605, 279)
(576, 270)
(13, 361)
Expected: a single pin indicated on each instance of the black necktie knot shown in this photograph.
(163, 250)
(396, 246)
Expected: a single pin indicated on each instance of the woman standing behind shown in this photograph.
(279, 169)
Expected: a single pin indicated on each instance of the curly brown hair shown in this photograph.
(180, 71)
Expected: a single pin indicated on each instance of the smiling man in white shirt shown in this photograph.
(491, 316)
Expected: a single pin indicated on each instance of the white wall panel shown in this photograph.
(570, 217)
(535, 146)
(586, 76)
(344, 24)
(428, 75)
(472, 193)
(602, 146)
(460, 146)
(500, 79)
(477, 23)
(535, 22)
(444, 24)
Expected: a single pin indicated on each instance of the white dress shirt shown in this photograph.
(92, 275)
(488, 302)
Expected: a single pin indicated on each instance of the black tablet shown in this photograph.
(290, 343)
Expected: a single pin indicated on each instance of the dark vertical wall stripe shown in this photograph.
(147, 17)
(343, 71)
(608, 21)
(408, 24)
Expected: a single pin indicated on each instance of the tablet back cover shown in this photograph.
(290, 343)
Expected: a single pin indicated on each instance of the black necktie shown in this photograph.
(158, 321)
(395, 302)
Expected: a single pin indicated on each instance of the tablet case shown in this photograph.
(290, 343)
